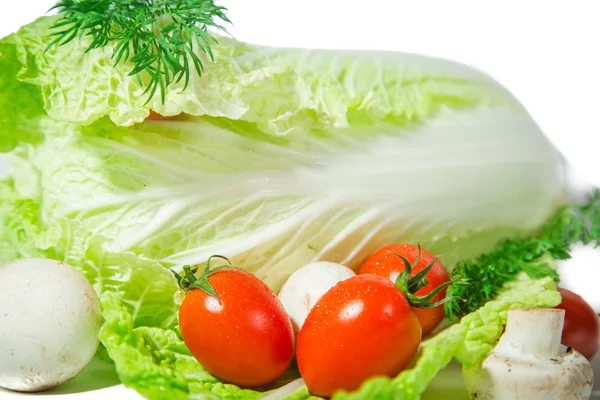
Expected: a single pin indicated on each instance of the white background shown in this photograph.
(545, 52)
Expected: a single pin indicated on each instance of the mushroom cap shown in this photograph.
(50, 317)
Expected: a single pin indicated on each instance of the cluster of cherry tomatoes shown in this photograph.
(367, 325)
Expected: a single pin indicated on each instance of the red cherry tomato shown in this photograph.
(362, 327)
(246, 338)
(386, 264)
(581, 330)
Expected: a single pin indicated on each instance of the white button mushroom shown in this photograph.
(49, 322)
(529, 362)
(307, 285)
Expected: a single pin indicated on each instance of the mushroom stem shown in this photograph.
(536, 332)
(529, 362)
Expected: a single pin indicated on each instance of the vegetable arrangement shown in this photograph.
(142, 144)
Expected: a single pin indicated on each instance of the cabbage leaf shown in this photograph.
(282, 156)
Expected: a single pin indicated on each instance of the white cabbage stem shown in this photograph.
(530, 363)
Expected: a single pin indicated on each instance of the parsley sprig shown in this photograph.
(480, 280)
(159, 37)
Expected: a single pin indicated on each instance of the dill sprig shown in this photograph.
(480, 280)
(159, 37)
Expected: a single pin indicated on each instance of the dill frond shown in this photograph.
(159, 37)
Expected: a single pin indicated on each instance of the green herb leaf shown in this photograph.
(159, 37)
(479, 281)
(409, 285)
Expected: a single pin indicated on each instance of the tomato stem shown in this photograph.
(410, 285)
(188, 280)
